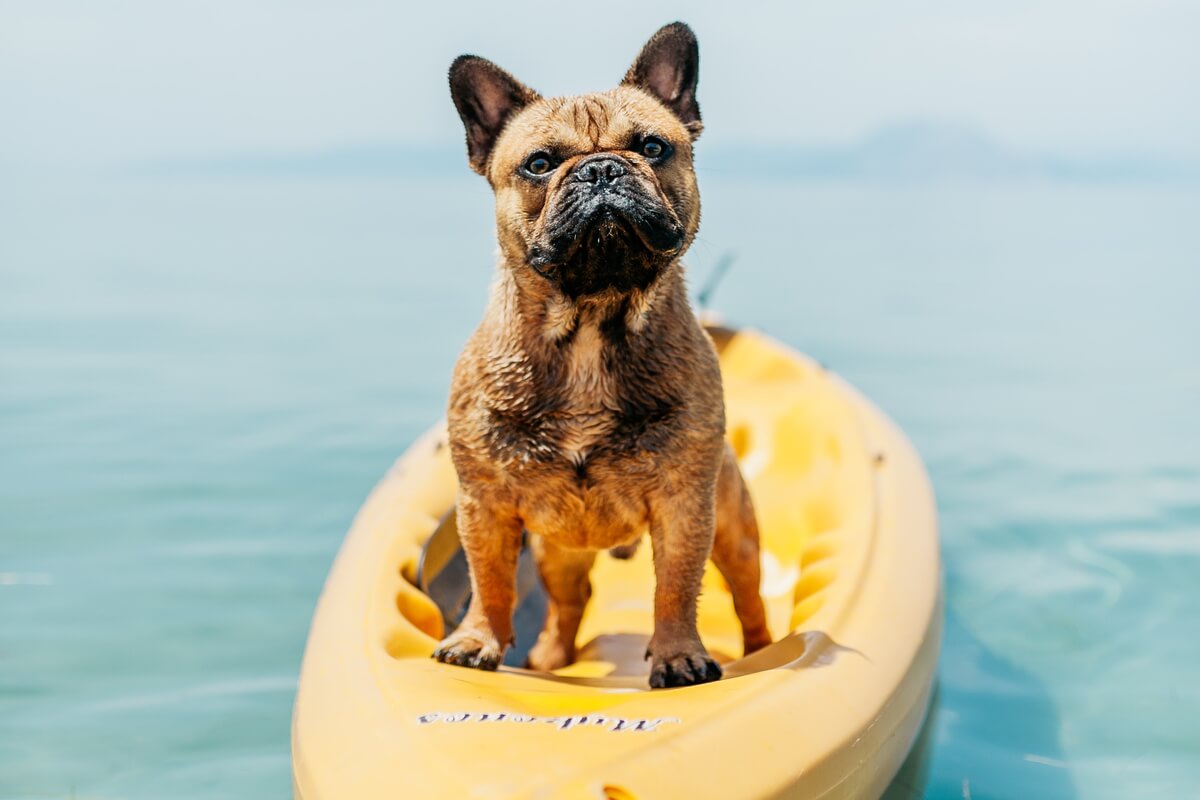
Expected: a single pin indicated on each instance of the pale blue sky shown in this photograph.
(129, 80)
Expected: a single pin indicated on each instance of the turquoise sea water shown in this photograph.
(201, 379)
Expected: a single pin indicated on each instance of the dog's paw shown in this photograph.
(467, 648)
(685, 666)
(549, 653)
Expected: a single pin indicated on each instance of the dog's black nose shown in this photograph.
(599, 169)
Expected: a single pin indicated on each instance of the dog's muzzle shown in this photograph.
(605, 217)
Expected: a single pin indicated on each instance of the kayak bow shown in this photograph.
(851, 580)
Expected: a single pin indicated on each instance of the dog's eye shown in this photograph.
(539, 164)
(653, 147)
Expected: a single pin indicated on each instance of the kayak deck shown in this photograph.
(851, 584)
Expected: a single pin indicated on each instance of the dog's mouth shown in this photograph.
(596, 241)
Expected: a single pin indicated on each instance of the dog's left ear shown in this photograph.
(486, 98)
(668, 68)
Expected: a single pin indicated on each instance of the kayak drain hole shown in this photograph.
(418, 609)
(617, 793)
(408, 571)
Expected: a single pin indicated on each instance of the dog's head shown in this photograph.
(595, 194)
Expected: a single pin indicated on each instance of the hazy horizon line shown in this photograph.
(908, 150)
(911, 149)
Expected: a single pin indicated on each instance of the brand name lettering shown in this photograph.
(611, 724)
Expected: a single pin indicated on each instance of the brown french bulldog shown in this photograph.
(587, 406)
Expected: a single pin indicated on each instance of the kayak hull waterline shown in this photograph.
(851, 580)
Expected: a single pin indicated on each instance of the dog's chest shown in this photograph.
(597, 409)
(569, 464)
(589, 399)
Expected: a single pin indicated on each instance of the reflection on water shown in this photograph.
(993, 731)
(200, 381)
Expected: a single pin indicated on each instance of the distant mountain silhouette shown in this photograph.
(918, 151)
(929, 152)
(925, 150)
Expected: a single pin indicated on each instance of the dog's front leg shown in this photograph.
(565, 575)
(491, 536)
(681, 532)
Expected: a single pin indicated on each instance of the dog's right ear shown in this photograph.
(486, 98)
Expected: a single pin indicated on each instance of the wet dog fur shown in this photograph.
(587, 406)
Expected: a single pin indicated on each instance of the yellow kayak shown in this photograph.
(851, 580)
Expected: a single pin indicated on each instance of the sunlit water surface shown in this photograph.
(200, 380)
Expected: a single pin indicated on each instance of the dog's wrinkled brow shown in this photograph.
(590, 116)
(586, 125)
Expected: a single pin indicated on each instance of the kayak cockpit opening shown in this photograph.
(809, 468)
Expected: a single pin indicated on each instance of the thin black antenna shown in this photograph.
(714, 278)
